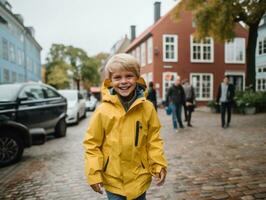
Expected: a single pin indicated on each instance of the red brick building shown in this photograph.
(168, 49)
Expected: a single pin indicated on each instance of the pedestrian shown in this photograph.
(189, 104)
(175, 98)
(152, 95)
(123, 147)
(225, 98)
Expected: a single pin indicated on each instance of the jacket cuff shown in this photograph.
(157, 169)
(96, 178)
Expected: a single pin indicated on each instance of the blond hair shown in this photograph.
(122, 61)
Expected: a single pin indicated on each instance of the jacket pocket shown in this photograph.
(138, 127)
(106, 164)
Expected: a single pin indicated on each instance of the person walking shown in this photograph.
(176, 97)
(152, 95)
(225, 98)
(123, 147)
(189, 104)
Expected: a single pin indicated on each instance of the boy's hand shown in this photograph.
(160, 177)
(97, 187)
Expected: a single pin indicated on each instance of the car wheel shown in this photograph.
(60, 129)
(11, 148)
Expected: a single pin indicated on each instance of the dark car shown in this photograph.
(28, 111)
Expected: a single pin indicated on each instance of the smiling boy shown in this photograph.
(123, 148)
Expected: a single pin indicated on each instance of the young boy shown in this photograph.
(123, 148)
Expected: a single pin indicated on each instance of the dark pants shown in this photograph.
(226, 108)
(112, 196)
(178, 114)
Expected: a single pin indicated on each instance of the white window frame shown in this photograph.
(237, 74)
(263, 46)
(233, 45)
(175, 44)
(170, 82)
(150, 50)
(201, 60)
(262, 84)
(143, 54)
(200, 98)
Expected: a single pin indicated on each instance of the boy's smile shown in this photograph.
(124, 82)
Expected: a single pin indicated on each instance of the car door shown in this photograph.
(55, 107)
(82, 104)
(31, 108)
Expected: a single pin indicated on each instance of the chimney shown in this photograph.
(157, 11)
(133, 32)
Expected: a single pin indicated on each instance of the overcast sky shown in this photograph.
(93, 25)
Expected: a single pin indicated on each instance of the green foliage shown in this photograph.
(79, 63)
(249, 98)
(217, 18)
(56, 74)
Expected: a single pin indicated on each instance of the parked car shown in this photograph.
(76, 107)
(91, 103)
(28, 111)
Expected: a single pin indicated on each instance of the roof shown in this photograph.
(147, 33)
(18, 21)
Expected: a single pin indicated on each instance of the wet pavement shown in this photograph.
(205, 162)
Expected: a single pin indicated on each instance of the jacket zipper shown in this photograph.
(105, 166)
(137, 134)
(142, 165)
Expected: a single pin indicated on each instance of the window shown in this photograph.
(5, 49)
(49, 93)
(6, 76)
(203, 85)
(262, 46)
(150, 50)
(235, 51)
(168, 80)
(143, 54)
(201, 51)
(14, 77)
(170, 48)
(261, 84)
(32, 93)
(12, 53)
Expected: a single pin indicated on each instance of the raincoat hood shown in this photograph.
(108, 94)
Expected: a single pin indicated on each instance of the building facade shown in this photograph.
(19, 51)
(261, 56)
(168, 49)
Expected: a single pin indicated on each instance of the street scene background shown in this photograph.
(205, 162)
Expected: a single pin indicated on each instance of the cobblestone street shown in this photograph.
(205, 162)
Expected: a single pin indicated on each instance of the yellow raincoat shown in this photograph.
(123, 149)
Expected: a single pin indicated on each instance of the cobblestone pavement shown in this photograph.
(205, 162)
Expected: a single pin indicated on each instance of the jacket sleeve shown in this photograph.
(156, 157)
(92, 145)
(168, 96)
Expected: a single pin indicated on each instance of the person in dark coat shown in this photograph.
(152, 95)
(225, 98)
(189, 104)
(176, 95)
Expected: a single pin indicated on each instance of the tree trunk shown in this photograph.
(251, 56)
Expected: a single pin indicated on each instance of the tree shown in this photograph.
(57, 74)
(82, 66)
(217, 18)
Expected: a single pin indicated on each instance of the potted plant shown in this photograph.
(214, 107)
(246, 102)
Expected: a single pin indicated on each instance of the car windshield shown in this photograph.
(8, 92)
(70, 95)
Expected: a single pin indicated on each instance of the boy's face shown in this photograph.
(124, 82)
